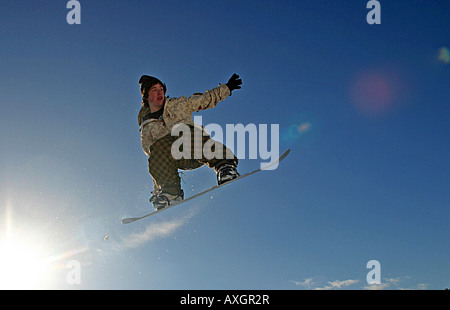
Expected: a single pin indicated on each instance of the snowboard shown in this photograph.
(177, 203)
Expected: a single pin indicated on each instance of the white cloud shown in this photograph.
(337, 284)
(386, 283)
(420, 286)
(152, 232)
(307, 283)
(311, 285)
(393, 284)
(377, 287)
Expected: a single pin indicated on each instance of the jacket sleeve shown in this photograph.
(207, 100)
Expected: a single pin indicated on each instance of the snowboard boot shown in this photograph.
(162, 200)
(226, 173)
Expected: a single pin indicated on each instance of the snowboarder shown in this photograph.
(157, 117)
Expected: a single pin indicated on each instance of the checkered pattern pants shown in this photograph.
(164, 168)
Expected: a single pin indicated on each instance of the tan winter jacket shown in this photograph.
(177, 111)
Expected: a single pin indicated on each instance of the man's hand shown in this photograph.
(234, 82)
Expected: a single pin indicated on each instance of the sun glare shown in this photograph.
(21, 266)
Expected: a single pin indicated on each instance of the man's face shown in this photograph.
(156, 97)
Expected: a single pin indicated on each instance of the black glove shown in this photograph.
(234, 82)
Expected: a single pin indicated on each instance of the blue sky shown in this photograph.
(364, 109)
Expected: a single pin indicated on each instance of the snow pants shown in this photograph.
(163, 167)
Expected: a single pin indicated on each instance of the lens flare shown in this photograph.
(377, 91)
(304, 128)
(296, 131)
(444, 55)
(371, 94)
